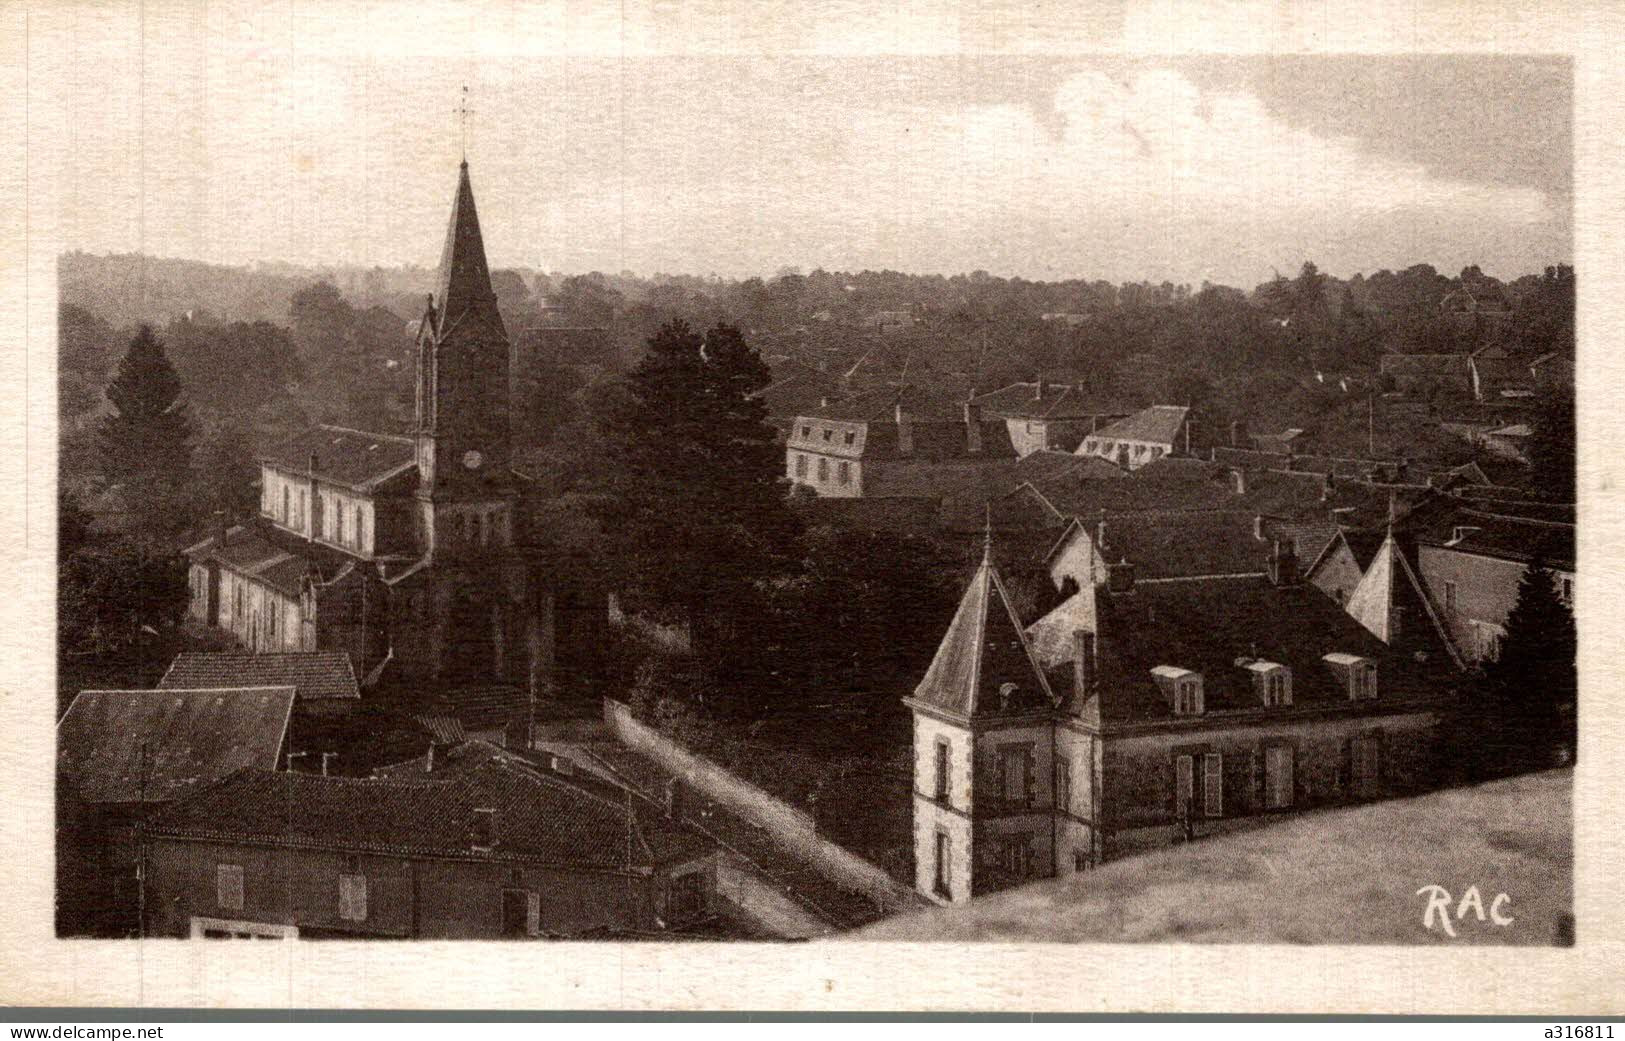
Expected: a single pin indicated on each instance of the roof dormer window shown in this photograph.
(1358, 675)
(1182, 688)
(1272, 682)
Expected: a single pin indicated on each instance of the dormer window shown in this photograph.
(806, 431)
(1272, 682)
(1182, 688)
(1359, 675)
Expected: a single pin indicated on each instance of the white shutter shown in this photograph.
(353, 898)
(533, 913)
(1278, 767)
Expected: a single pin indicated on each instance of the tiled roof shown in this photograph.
(983, 655)
(1185, 545)
(1208, 626)
(1046, 401)
(125, 746)
(972, 478)
(537, 817)
(316, 675)
(484, 707)
(1159, 425)
(352, 457)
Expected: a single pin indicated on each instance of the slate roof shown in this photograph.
(356, 458)
(1046, 400)
(1166, 484)
(463, 283)
(1454, 365)
(126, 746)
(1502, 536)
(246, 551)
(1159, 424)
(538, 817)
(1186, 545)
(983, 653)
(1207, 625)
(1388, 600)
(315, 675)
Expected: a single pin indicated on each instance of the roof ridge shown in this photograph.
(339, 429)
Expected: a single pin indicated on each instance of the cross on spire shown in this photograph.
(463, 112)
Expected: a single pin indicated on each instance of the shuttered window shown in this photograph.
(228, 884)
(1184, 785)
(1213, 784)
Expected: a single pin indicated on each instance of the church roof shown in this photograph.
(463, 285)
(357, 458)
(984, 654)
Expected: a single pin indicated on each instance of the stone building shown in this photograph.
(1139, 713)
(873, 446)
(1047, 416)
(500, 851)
(1144, 437)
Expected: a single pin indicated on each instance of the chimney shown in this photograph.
(1238, 479)
(823, 402)
(1284, 564)
(1237, 431)
(973, 428)
(1402, 472)
(561, 764)
(1100, 533)
(1327, 486)
(219, 528)
(905, 431)
(1258, 526)
(483, 830)
(1038, 389)
(1120, 577)
(675, 801)
(428, 761)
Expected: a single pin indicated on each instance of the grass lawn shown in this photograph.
(1345, 876)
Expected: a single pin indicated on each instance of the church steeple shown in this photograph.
(463, 286)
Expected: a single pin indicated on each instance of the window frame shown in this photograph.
(942, 785)
(1212, 784)
(942, 864)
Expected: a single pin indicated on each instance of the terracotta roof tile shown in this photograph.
(316, 675)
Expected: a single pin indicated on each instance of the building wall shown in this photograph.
(1125, 452)
(347, 520)
(426, 898)
(260, 617)
(1075, 831)
(1078, 560)
(1138, 782)
(932, 820)
(1337, 574)
(285, 499)
(1484, 592)
(828, 475)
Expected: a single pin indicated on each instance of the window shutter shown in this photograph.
(533, 913)
(1213, 784)
(1184, 784)
(1257, 771)
(1345, 769)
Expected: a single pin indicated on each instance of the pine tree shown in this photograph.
(1532, 688)
(146, 450)
(695, 495)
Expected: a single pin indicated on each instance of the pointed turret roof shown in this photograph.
(983, 650)
(1387, 584)
(464, 282)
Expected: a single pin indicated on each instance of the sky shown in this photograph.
(328, 134)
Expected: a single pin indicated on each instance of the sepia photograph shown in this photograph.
(1025, 495)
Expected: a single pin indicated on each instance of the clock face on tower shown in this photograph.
(472, 459)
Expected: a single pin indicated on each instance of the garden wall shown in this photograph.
(790, 827)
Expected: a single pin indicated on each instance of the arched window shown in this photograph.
(360, 530)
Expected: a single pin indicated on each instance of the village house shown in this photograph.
(1471, 559)
(500, 851)
(1047, 416)
(1142, 438)
(873, 446)
(1146, 711)
(407, 552)
(121, 756)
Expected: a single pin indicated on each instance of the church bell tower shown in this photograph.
(465, 490)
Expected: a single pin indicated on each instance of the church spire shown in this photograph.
(464, 281)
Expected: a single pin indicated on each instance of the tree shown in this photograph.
(227, 471)
(693, 485)
(146, 445)
(1531, 689)
(1552, 446)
